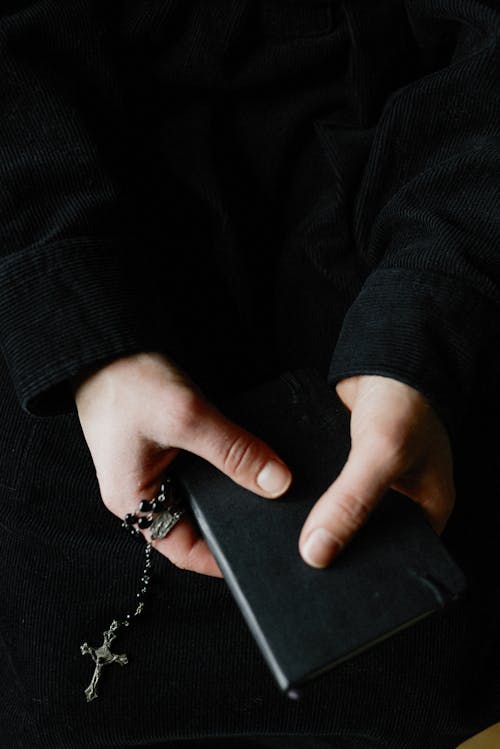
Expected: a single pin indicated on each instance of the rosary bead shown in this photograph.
(130, 518)
(144, 522)
(145, 506)
(133, 531)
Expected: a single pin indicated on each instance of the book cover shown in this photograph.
(394, 572)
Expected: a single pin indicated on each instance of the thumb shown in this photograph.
(346, 504)
(242, 456)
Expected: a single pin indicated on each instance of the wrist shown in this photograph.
(122, 365)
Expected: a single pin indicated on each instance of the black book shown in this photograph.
(305, 620)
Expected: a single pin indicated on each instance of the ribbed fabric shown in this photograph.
(249, 187)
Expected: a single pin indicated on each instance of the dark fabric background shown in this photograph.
(247, 187)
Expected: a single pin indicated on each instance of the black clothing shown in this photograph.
(248, 187)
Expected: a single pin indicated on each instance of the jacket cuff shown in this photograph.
(65, 308)
(426, 330)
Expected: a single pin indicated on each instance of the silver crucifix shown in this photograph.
(101, 657)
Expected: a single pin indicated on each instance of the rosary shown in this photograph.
(159, 515)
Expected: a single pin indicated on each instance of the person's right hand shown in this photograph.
(137, 413)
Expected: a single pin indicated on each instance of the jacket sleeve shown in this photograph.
(427, 220)
(70, 289)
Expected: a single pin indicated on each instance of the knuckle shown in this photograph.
(184, 559)
(440, 505)
(185, 409)
(181, 563)
(240, 455)
(179, 560)
(352, 511)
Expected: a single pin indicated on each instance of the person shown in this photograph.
(196, 197)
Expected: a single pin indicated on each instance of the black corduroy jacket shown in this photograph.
(247, 187)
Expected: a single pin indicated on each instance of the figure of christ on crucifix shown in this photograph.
(101, 657)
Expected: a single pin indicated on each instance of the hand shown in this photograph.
(398, 442)
(136, 413)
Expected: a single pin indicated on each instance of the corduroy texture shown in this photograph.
(247, 187)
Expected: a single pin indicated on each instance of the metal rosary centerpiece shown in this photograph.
(167, 510)
(159, 515)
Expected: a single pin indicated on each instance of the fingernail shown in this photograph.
(320, 548)
(274, 478)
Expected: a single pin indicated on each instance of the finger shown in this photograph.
(242, 456)
(122, 490)
(341, 511)
(183, 546)
(187, 550)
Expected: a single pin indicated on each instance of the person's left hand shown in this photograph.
(398, 442)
